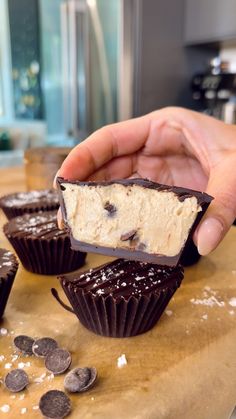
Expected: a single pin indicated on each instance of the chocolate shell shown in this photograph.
(133, 218)
(21, 203)
(122, 298)
(41, 247)
(8, 269)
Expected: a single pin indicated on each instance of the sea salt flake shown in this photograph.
(24, 364)
(210, 302)
(138, 278)
(3, 331)
(121, 361)
(232, 302)
(21, 397)
(5, 408)
(123, 284)
(2, 357)
(169, 312)
(231, 312)
(35, 407)
(40, 379)
(205, 317)
(23, 410)
(8, 365)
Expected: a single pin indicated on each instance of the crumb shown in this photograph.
(8, 365)
(210, 302)
(232, 302)
(23, 410)
(5, 408)
(121, 361)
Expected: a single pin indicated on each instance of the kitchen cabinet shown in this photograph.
(209, 21)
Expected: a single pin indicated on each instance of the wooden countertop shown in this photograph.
(184, 368)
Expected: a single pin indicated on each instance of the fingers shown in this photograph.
(103, 145)
(222, 211)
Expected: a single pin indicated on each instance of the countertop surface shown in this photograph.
(185, 367)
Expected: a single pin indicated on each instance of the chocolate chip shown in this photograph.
(24, 344)
(128, 236)
(110, 208)
(80, 379)
(141, 246)
(55, 404)
(58, 361)
(16, 380)
(42, 347)
(63, 188)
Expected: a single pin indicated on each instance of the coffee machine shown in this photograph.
(214, 91)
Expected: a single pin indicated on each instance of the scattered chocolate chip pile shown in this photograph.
(54, 403)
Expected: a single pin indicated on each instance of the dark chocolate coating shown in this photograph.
(20, 203)
(122, 298)
(40, 225)
(123, 278)
(41, 246)
(8, 268)
(203, 200)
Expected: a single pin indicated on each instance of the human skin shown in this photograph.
(173, 146)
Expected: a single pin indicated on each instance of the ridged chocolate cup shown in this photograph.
(8, 269)
(45, 252)
(117, 315)
(35, 201)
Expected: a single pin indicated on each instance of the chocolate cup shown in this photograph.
(43, 203)
(190, 255)
(118, 316)
(47, 257)
(15, 212)
(6, 282)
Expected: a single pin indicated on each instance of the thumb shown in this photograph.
(222, 211)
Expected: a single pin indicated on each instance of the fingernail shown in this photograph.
(55, 180)
(209, 235)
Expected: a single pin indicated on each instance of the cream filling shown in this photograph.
(136, 217)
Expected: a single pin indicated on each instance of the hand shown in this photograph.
(173, 146)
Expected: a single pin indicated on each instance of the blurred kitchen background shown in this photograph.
(67, 67)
